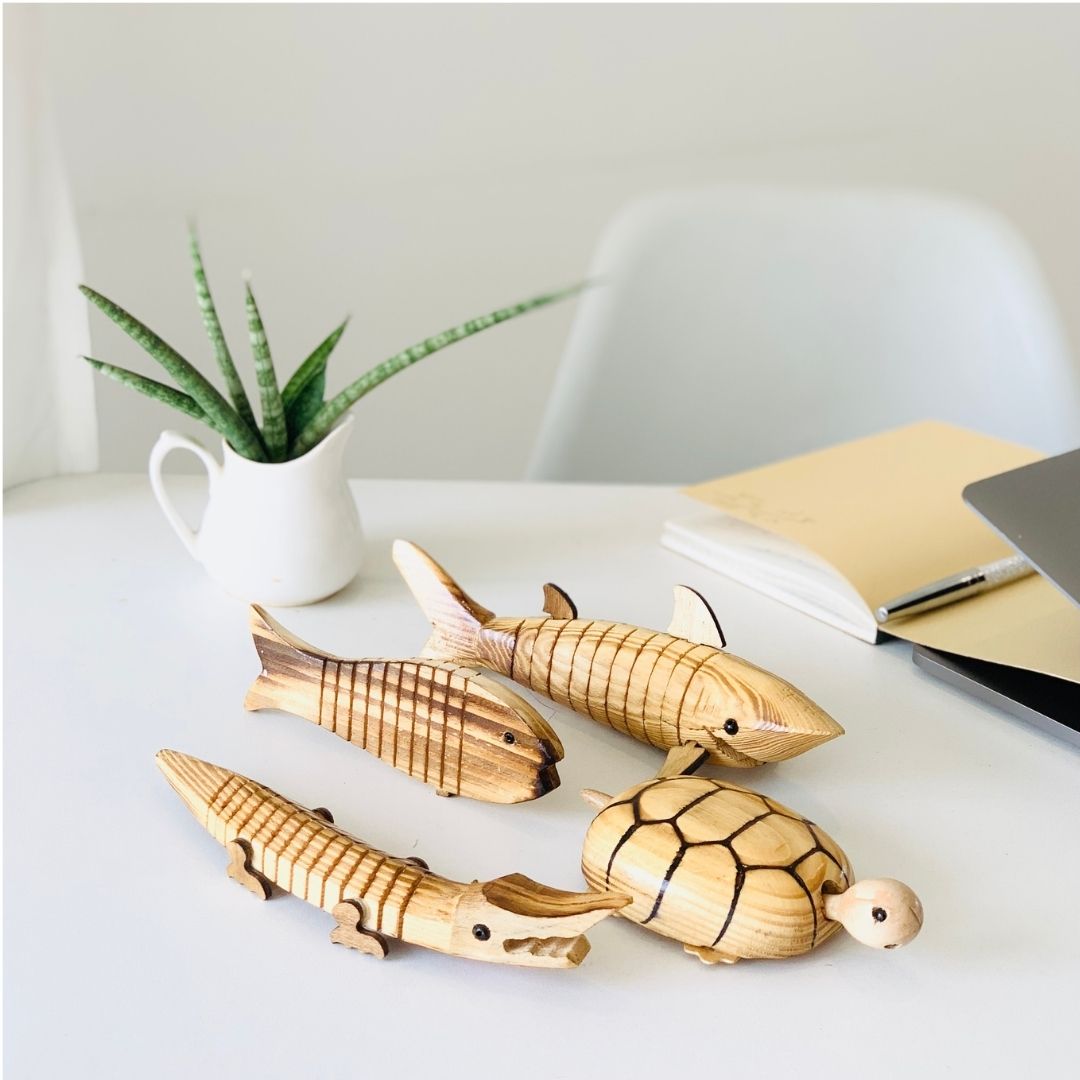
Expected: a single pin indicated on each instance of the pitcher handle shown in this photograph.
(167, 442)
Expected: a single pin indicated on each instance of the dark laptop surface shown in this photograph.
(1036, 508)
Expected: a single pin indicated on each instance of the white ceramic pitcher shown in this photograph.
(277, 534)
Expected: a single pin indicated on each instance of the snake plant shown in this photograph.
(294, 419)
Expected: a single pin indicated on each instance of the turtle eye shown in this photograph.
(879, 914)
(731, 727)
(508, 738)
(481, 932)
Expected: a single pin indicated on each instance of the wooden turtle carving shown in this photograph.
(733, 874)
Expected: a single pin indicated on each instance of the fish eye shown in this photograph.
(879, 914)
(481, 932)
(731, 727)
(508, 738)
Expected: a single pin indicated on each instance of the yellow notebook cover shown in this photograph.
(886, 513)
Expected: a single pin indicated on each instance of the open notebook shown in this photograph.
(837, 532)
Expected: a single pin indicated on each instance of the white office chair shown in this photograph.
(738, 326)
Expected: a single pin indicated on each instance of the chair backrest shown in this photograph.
(731, 327)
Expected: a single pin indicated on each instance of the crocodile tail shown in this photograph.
(456, 618)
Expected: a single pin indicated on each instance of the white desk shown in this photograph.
(130, 954)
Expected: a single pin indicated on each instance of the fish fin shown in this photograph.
(683, 760)
(455, 617)
(284, 658)
(557, 604)
(694, 620)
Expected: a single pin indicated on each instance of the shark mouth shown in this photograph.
(548, 951)
(547, 780)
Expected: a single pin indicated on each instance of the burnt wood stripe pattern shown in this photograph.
(313, 860)
(631, 679)
(442, 723)
(434, 694)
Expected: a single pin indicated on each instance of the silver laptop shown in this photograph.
(1036, 508)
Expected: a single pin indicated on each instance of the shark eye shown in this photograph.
(481, 932)
(879, 914)
(731, 727)
(508, 738)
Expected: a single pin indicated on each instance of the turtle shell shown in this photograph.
(717, 866)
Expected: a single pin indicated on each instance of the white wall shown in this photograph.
(416, 165)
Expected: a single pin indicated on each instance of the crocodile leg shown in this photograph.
(350, 930)
(241, 870)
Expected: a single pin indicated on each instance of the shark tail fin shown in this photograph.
(286, 661)
(455, 617)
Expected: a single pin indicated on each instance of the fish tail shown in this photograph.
(287, 662)
(455, 617)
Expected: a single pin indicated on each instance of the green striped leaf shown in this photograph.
(324, 420)
(314, 365)
(220, 414)
(176, 399)
(217, 338)
(303, 394)
(273, 412)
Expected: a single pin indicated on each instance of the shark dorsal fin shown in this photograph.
(557, 604)
(683, 760)
(694, 620)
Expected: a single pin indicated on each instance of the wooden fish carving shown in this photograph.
(373, 896)
(733, 874)
(447, 725)
(665, 689)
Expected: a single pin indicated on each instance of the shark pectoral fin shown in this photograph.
(683, 760)
(694, 620)
(557, 604)
(711, 956)
(241, 870)
(325, 814)
(350, 932)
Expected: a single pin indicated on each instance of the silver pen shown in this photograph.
(959, 586)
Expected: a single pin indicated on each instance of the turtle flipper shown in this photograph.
(710, 956)
(241, 870)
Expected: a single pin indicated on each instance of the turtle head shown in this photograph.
(881, 913)
(754, 717)
(515, 920)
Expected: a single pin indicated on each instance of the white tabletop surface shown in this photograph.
(130, 954)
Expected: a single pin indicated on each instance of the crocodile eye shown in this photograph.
(879, 914)
(481, 932)
(731, 727)
(508, 738)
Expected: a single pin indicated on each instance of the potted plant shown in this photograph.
(280, 526)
